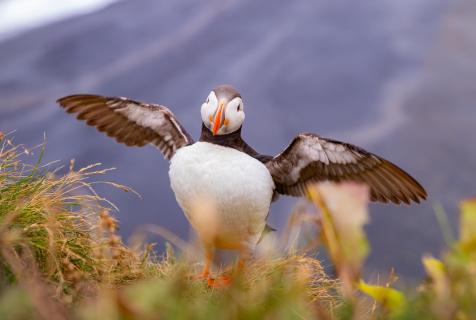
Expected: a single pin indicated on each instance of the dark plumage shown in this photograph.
(309, 158)
(226, 92)
(232, 140)
(130, 122)
(316, 159)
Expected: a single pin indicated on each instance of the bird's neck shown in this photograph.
(232, 139)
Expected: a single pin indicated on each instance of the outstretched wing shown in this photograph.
(310, 158)
(130, 122)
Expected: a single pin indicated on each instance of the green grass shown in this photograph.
(61, 258)
(60, 254)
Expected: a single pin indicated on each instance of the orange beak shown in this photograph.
(219, 118)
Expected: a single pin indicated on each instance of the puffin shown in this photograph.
(223, 170)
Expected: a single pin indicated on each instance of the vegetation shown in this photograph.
(61, 257)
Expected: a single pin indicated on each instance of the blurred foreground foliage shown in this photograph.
(61, 258)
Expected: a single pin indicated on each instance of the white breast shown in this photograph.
(224, 193)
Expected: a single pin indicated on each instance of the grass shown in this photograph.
(61, 258)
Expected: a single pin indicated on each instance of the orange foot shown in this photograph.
(222, 281)
(201, 276)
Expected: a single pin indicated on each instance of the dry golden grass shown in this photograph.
(61, 256)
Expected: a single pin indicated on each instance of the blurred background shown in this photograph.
(397, 77)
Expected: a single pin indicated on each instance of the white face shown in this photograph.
(222, 117)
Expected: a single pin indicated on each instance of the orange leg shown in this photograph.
(205, 274)
(241, 264)
(223, 280)
(219, 282)
(246, 253)
(226, 279)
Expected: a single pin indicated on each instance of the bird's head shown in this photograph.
(223, 112)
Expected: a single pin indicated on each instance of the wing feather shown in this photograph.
(130, 122)
(310, 158)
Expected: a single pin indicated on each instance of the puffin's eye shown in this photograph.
(208, 100)
(239, 107)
